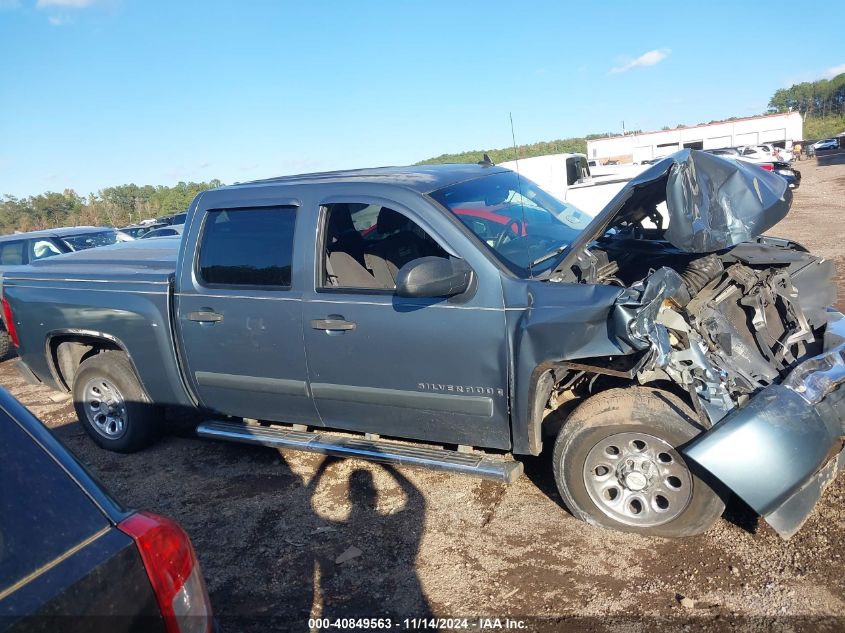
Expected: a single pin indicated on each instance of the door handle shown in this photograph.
(333, 323)
(205, 316)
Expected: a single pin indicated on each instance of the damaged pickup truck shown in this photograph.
(454, 316)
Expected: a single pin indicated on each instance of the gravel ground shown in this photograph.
(284, 536)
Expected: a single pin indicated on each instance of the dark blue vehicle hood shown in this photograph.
(139, 260)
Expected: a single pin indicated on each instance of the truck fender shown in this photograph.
(63, 361)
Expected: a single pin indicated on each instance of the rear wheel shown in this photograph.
(6, 347)
(616, 465)
(111, 404)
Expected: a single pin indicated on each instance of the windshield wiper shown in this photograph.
(549, 255)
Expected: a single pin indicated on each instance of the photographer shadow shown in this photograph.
(367, 567)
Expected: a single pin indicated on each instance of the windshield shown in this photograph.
(524, 226)
(90, 240)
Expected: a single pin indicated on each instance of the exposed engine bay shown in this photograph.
(708, 304)
(723, 326)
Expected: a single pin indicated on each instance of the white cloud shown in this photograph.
(60, 12)
(830, 73)
(646, 59)
(65, 4)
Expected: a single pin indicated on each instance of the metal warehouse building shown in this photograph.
(771, 128)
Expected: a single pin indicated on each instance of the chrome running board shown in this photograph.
(372, 449)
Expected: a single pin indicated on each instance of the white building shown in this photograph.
(771, 128)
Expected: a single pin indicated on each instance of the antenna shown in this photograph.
(519, 184)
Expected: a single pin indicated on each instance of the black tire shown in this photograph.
(653, 413)
(7, 350)
(112, 373)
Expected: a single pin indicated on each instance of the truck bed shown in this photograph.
(151, 261)
(122, 292)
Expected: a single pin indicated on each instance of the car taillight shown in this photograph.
(766, 166)
(173, 570)
(9, 320)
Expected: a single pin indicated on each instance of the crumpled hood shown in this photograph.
(712, 203)
(715, 203)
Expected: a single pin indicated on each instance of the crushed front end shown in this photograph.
(741, 323)
(784, 447)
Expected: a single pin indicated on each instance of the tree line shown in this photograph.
(813, 99)
(561, 146)
(821, 102)
(113, 206)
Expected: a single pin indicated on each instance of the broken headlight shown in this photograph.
(815, 378)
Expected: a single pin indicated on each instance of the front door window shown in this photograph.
(367, 244)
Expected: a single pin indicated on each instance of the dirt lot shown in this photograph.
(271, 527)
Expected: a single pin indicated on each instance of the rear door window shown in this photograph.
(576, 170)
(43, 512)
(248, 247)
(11, 254)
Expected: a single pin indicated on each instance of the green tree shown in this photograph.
(560, 146)
(111, 206)
(813, 99)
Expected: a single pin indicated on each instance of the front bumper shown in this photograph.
(781, 450)
(793, 181)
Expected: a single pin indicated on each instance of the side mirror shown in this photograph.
(433, 277)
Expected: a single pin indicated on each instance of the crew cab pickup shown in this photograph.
(454, 316)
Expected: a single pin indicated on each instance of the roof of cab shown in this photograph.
(60, 232)
(421, 178)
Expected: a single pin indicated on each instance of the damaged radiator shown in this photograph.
(722, 333)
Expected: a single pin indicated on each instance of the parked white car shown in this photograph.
(778, 153)
(765, 153)
(828, 143)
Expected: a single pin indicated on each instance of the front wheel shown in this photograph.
(616, 465)
(111, 404)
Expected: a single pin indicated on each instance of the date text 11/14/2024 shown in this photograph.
(414, 624)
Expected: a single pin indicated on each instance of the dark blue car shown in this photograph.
(72, 559)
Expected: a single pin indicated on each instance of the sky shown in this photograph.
(95, 93)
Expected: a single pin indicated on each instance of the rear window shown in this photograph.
(43, 513)
(161, 233)
(85, 241)
(248, 247)
(41, 249)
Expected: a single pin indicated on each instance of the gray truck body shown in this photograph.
(479, 368)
